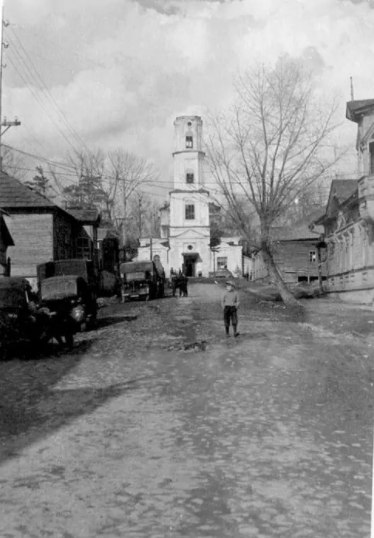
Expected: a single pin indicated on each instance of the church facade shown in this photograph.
(184, 242)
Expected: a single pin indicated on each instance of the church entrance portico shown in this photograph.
(189, 263)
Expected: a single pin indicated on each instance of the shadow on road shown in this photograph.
(31, 408)
(112, 320)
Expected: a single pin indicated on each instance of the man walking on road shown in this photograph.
(230, 305)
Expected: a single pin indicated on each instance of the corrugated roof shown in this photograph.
(14, 194)
(356, 108)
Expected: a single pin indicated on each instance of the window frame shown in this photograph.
(189, 141)
(221, 264)
(190, 178)
(189, 209)
(371, 157)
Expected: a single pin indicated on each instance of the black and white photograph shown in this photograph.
(186, 268)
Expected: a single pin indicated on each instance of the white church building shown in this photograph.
(184, 242)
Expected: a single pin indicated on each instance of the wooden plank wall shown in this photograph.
(293, 260)
(33, 239)
(65, 235)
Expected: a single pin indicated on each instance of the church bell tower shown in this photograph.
(189, 200)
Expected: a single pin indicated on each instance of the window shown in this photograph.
(83, 248)
(190, 212)
(221, 262)
(371, 151)
(189, 141)
(312, 256)
(189, 177)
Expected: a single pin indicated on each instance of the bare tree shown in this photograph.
(270, 147)
(144, 215)
(13, 163)
(127, 172)
(107, 181)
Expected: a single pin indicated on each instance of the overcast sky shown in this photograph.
(120, 71)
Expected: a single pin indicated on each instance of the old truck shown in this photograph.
(142, 280)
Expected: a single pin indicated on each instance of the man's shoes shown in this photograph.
(236, 334)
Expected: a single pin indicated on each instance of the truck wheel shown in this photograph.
(69, 339)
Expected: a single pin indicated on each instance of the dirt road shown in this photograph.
(158, 426)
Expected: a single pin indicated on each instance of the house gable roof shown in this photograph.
(355, 109)
(4, 232)
(340, 190)
(298, 232)
(14, 194)
(85, 216)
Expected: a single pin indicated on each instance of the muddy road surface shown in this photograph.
(158, 426)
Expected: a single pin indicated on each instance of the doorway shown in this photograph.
(189, 265)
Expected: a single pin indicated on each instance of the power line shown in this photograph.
(39, 157)
(39, 101)
(48, 94)
(25, 73)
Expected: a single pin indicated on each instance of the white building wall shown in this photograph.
(187, 125)
(189, 236)
(180, 246)
(188, 162)
(178, 202)
(230, 256)
(144, 254)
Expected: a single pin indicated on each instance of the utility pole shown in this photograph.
(1, 73)
(3, 45)
(140, 209)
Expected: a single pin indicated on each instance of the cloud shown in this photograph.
(120, 71)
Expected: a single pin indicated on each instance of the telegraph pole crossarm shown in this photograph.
(8, 124)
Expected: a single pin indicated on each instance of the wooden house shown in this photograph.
(5, 242)
(350, 243)
(41, 230)
(349, 217)
(295, 254)
(87, 239)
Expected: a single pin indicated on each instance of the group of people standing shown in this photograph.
(179, 281)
